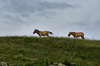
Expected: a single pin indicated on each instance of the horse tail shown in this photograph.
(50, 32)
(83, 36)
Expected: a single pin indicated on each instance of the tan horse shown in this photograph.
(76, 34)
(42, 33)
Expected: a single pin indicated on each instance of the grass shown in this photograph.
(45, 51)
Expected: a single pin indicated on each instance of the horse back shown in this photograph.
(80, 33)
(44, 32)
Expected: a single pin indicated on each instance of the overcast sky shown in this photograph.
(21, 17)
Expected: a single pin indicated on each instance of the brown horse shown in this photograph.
(42, 33)
(76, 34)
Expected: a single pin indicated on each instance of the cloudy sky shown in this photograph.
(21, 17)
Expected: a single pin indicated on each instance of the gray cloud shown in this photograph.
(20, 17)
(97, 23)
(15, 11)
(78, 24)
(20, 6)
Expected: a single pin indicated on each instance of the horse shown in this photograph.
(76, 34)
(42, 33)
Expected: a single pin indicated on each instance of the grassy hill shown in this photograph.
(45, 51)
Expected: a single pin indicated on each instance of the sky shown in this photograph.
(21, 17)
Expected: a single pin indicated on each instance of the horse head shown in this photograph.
(69, 34)
(35, 31)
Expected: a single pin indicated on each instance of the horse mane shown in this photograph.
(36, 29)
(72, 32)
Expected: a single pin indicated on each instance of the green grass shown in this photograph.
(36, 51)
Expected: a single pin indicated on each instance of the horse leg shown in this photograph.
(48, 35)
(76, 36)
(40, 35)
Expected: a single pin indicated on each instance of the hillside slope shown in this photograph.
(35, 51)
